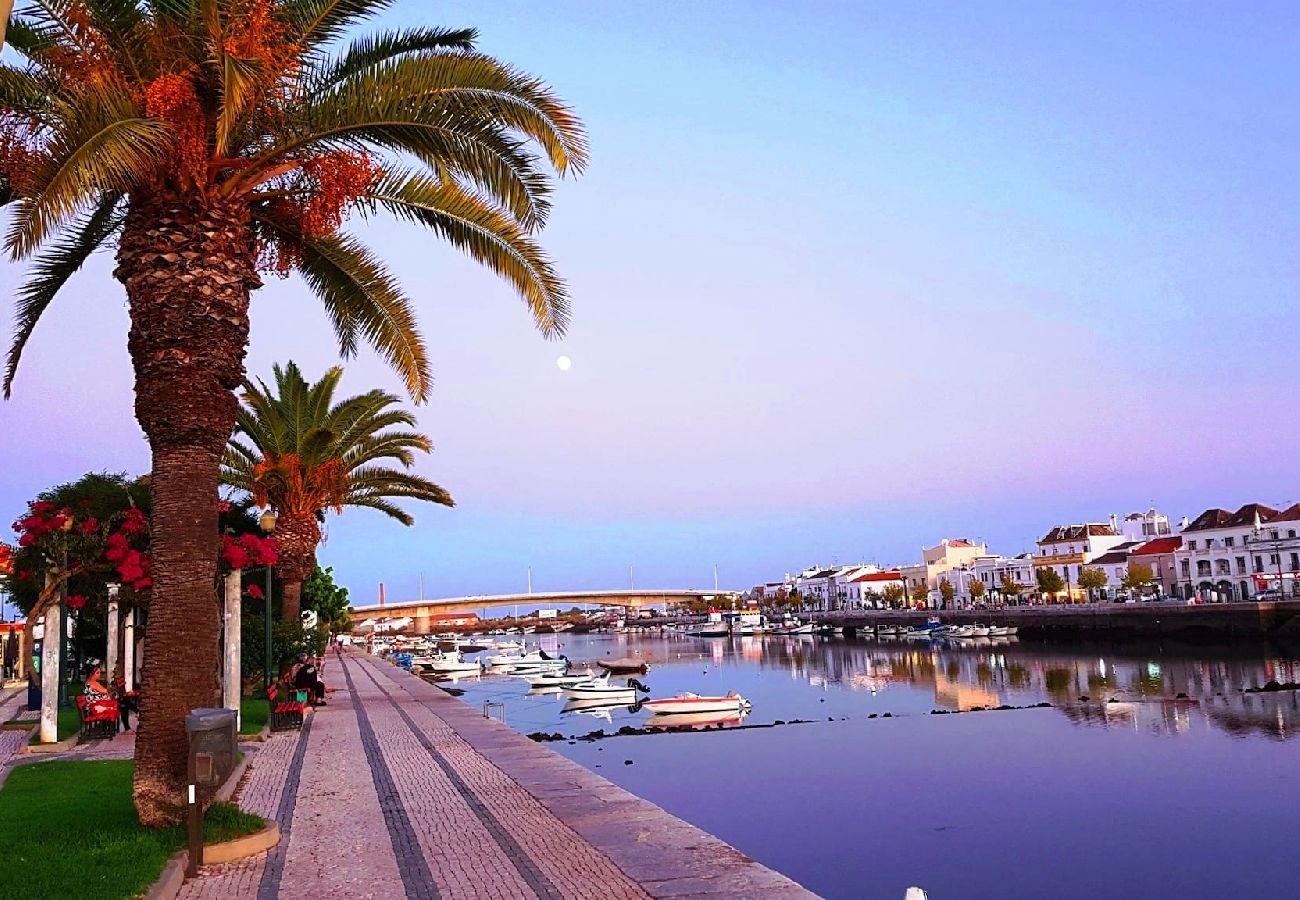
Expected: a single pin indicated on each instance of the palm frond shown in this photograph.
(51, 271)
(362, 299)
(100, 146)
(487, 234)
(319, 22)
(371, 50)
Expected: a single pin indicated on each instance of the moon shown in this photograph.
(563, 363)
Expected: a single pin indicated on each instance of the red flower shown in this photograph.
(26, 540)
(76, 601)
(134, 522)
(58, 522)
(142, 584)
(223, 506)
(89, 525)
(254, 591)
(23, 574)
(117, 547)
(42, 507)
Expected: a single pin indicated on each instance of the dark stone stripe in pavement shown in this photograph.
(269, 887)
(532, 875)
(411, 864)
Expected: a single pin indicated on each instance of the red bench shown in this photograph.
(287, 707)
(99, 718)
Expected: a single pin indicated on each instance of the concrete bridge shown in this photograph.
(423, 611)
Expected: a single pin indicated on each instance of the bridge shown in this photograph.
(424, 611)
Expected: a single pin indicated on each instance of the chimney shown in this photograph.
(1114, 523)
(381, 593)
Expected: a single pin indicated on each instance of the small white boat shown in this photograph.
(978, 630)
(962, 631)
(453, 664)
(516, 659)
(558, 679)
(709, 630)
(1002, 630)
(599, 688)
(686, 702)
(806, 628)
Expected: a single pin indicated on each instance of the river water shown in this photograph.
(1121, 788)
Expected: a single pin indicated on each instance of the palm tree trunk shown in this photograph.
(296, 538)
(188, 265)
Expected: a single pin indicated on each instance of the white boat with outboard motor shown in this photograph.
(452, 664)
(599, 688)
(558, 679)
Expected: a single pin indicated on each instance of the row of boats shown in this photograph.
(544, 672)
(934, 629)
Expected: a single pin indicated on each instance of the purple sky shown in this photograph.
(847, 279)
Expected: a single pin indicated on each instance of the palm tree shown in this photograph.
(300, 452)
(210, 141)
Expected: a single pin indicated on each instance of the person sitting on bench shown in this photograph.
(306, 677)
(95, 689)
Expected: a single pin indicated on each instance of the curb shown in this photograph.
(240, 847)
(261, 737)
(231, 784)
(169, 882)
(56, 747)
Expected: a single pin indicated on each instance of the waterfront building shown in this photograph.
(1159, 555)
(866, 588)
(1069, 548)
(1144, 526)
(943, 557)
(989, 571)
(1250, 554)
(1114, 565)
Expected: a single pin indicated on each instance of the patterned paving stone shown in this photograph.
(396, 790)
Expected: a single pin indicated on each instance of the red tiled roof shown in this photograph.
(1062, 533)
(879, 576)
(1221, 518)
(960, 543)
(1159, 545)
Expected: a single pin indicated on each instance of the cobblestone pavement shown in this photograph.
(387, 792)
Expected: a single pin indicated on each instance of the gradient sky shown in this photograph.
(848, 278)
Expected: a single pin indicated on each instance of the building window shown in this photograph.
(1272, 559)
(1259, 564)
(1241, 565)
(1191, 545)
(1229, 541)
(1295, 562)
(1291, 533)
(1224, 567)
(1203, 568)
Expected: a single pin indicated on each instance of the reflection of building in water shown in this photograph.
(961, 695)
(1276, 714)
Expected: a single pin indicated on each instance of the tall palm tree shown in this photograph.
(211, 141)
(302, 453)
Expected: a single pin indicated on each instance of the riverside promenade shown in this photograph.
(396, 789)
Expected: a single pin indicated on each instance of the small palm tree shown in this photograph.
(300, 452)
(210, 142)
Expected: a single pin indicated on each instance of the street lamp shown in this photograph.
(267, 523)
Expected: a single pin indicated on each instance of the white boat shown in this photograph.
(962, 631)
(599, 688)
(686, 702)
(1002, 630)
(453, 664)
(978, 630)
(558, 679)
(514, 658)
(709, 630)
(806, 628)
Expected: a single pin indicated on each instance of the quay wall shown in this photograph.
(1276, 619)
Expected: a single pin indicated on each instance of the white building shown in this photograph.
(1114, 565)
(990, 571)
(1144, 526)
(1250, 554)
(1069, 548)
(867, 588)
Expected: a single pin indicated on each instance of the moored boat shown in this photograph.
(624, 665)
(599, 688)
(687, 702)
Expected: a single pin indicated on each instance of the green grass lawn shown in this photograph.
(253, 713)
(68, 829)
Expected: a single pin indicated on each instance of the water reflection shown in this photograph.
(1158, 687)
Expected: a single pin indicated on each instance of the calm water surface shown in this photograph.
(1150, 796)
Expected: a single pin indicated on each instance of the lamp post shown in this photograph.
(267, 523)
